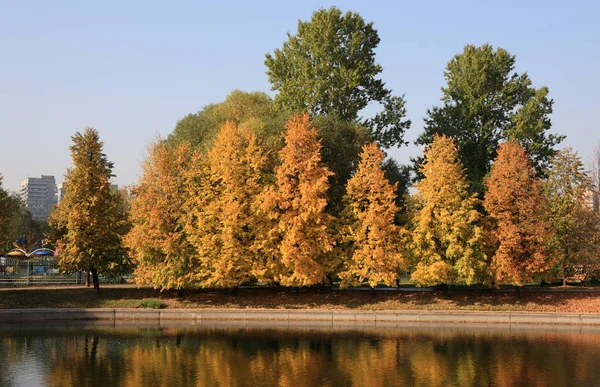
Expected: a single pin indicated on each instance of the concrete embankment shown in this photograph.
(332, 317)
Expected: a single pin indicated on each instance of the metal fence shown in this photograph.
(16, 272)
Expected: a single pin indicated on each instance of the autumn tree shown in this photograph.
(447, 239)
(90, 222)
(158, 241)
(222, 221)
(374, 239)
(296, 245)
(595, 172)
(328, 68)
(515, 203)
(486, 102)
(7, 209)
(575, 228)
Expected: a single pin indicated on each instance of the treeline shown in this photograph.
(297, 190)
(222, 218)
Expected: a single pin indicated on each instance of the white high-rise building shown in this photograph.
(39, 195)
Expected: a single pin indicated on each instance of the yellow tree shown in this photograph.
(222, 221)
(90, 221)
(447, 238)
(158, 241)
(517, 209)
(297, 244)
(374, 240)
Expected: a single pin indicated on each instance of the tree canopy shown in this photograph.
(517, 208)
(222, 221)
(90, 221)
(375, 241)
(328, 67)
(486, 102)
(575, 229)
(158, 241)
(447, 239)
(298, 240)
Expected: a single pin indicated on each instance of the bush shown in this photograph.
(152, 303)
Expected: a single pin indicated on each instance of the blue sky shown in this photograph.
(131, 69)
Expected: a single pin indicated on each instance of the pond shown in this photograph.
(283, 354)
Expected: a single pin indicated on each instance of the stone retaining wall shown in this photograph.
(332, 317)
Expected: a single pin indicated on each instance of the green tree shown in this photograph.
(8, 208)
(485, 102)
(328, 67)
(447, 239)
(374, 239)
(574, 247)
(89, 222)
(253, 110)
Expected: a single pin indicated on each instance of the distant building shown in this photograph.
(39, 195)
(61, 191)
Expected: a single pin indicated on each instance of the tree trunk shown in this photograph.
(95, 280)
(447, 290)
(87, 278)
(517, 292)
(179, 292)
(564, 281)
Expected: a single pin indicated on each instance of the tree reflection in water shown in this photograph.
(233, 356)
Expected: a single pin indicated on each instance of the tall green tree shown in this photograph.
(89, 222)
(485, 102)
(447, 238)
(328, 67)
(575, 228)
(253, 110)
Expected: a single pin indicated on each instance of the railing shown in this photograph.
(35, 274)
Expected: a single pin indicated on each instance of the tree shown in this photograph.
(253, 110)
(222, 219)
(7, 209)
(517, 208)
(158, 241)
(89, 222)
(341, 140)
(446, 234)
(374, 238)
(574, 247)
(297, 242)
(595, 171)
(486, 102)
(328, 67)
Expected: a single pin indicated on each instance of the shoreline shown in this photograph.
(332, 317)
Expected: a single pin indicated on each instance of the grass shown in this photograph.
(131, 297)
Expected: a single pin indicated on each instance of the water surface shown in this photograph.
(238, 354)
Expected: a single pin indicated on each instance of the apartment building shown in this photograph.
(39, 195)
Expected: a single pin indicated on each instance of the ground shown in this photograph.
(563, 300)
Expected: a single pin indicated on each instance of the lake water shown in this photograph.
(236, 354)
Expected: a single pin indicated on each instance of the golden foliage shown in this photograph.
(158, 241)
(516, 206)
(297, 243)
(447, 240)
(373, 236)
(91, 220)
(221, 218)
